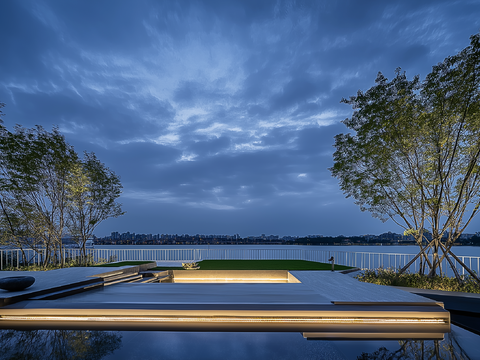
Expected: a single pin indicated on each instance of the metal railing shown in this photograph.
(15, 258)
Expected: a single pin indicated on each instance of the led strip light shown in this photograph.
(181, 279)
(220, 319)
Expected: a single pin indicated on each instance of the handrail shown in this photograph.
(13, 258)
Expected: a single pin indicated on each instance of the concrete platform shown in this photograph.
(464, 308)
(338, 287)
(317, 303)
(47, 280)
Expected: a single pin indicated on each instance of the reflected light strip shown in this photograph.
(220, 319)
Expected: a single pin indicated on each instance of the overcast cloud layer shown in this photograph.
(219, 116)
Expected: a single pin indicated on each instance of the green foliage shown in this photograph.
(92, 193)
(123, 263)
(34, 167)
(391, 277)
(413, 153)
(45, 190)
(76, 261)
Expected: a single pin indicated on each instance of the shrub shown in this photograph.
(390, 277)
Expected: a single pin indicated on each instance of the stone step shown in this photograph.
(128, 278)
(68, 291)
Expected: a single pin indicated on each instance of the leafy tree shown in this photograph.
(35, 167)
(45, 189)
(413, 154)
(12, 229)
(92, 193)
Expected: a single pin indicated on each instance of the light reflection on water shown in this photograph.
(108, 345)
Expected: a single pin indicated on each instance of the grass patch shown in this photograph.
(123, 263)
(390, 277)
(266, 265)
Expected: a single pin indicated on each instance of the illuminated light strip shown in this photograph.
(228, 279)
(223, 319)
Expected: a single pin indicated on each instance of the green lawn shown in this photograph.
(263, 265)
(124, 263)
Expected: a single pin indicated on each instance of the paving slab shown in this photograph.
(311, 305)
(181, 293)
(342, 288)
(51, 278)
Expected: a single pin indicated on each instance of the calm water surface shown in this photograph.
(145, 345)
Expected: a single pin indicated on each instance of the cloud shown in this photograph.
(212, 106)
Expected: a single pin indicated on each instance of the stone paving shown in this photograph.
(316, 286)
(51, 278)
(312, 303)
(338, 287)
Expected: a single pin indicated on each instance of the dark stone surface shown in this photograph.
(16, 283)
(464, 310)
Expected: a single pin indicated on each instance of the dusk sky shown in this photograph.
(219, 116)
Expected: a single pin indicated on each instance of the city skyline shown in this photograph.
(115, 235)
(218, 116)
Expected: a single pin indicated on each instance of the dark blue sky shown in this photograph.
(219, 116)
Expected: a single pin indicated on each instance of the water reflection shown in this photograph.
(459, 345)
(57, 344)
(253, 346)
(70, 344)
(420, 350)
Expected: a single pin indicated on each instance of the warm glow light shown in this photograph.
(223, 319)
(233, 280)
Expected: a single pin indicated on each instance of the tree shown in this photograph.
(46, 189)
(35, 167)
(414, 153)
(92, 193)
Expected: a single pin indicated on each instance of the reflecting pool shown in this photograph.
(128, 345)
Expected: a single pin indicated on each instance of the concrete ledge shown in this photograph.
(326, 304)
(127, 269)
(464, 307)
(55, 281)
(453, 301)
(402, 320)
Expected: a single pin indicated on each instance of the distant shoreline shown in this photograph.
(274, 244)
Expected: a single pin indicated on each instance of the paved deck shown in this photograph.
(316, 287)
(45, 280)
(337, 287)
(52, 278)
(323, 303)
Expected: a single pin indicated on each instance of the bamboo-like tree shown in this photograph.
(413, 153)
(93, 190)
